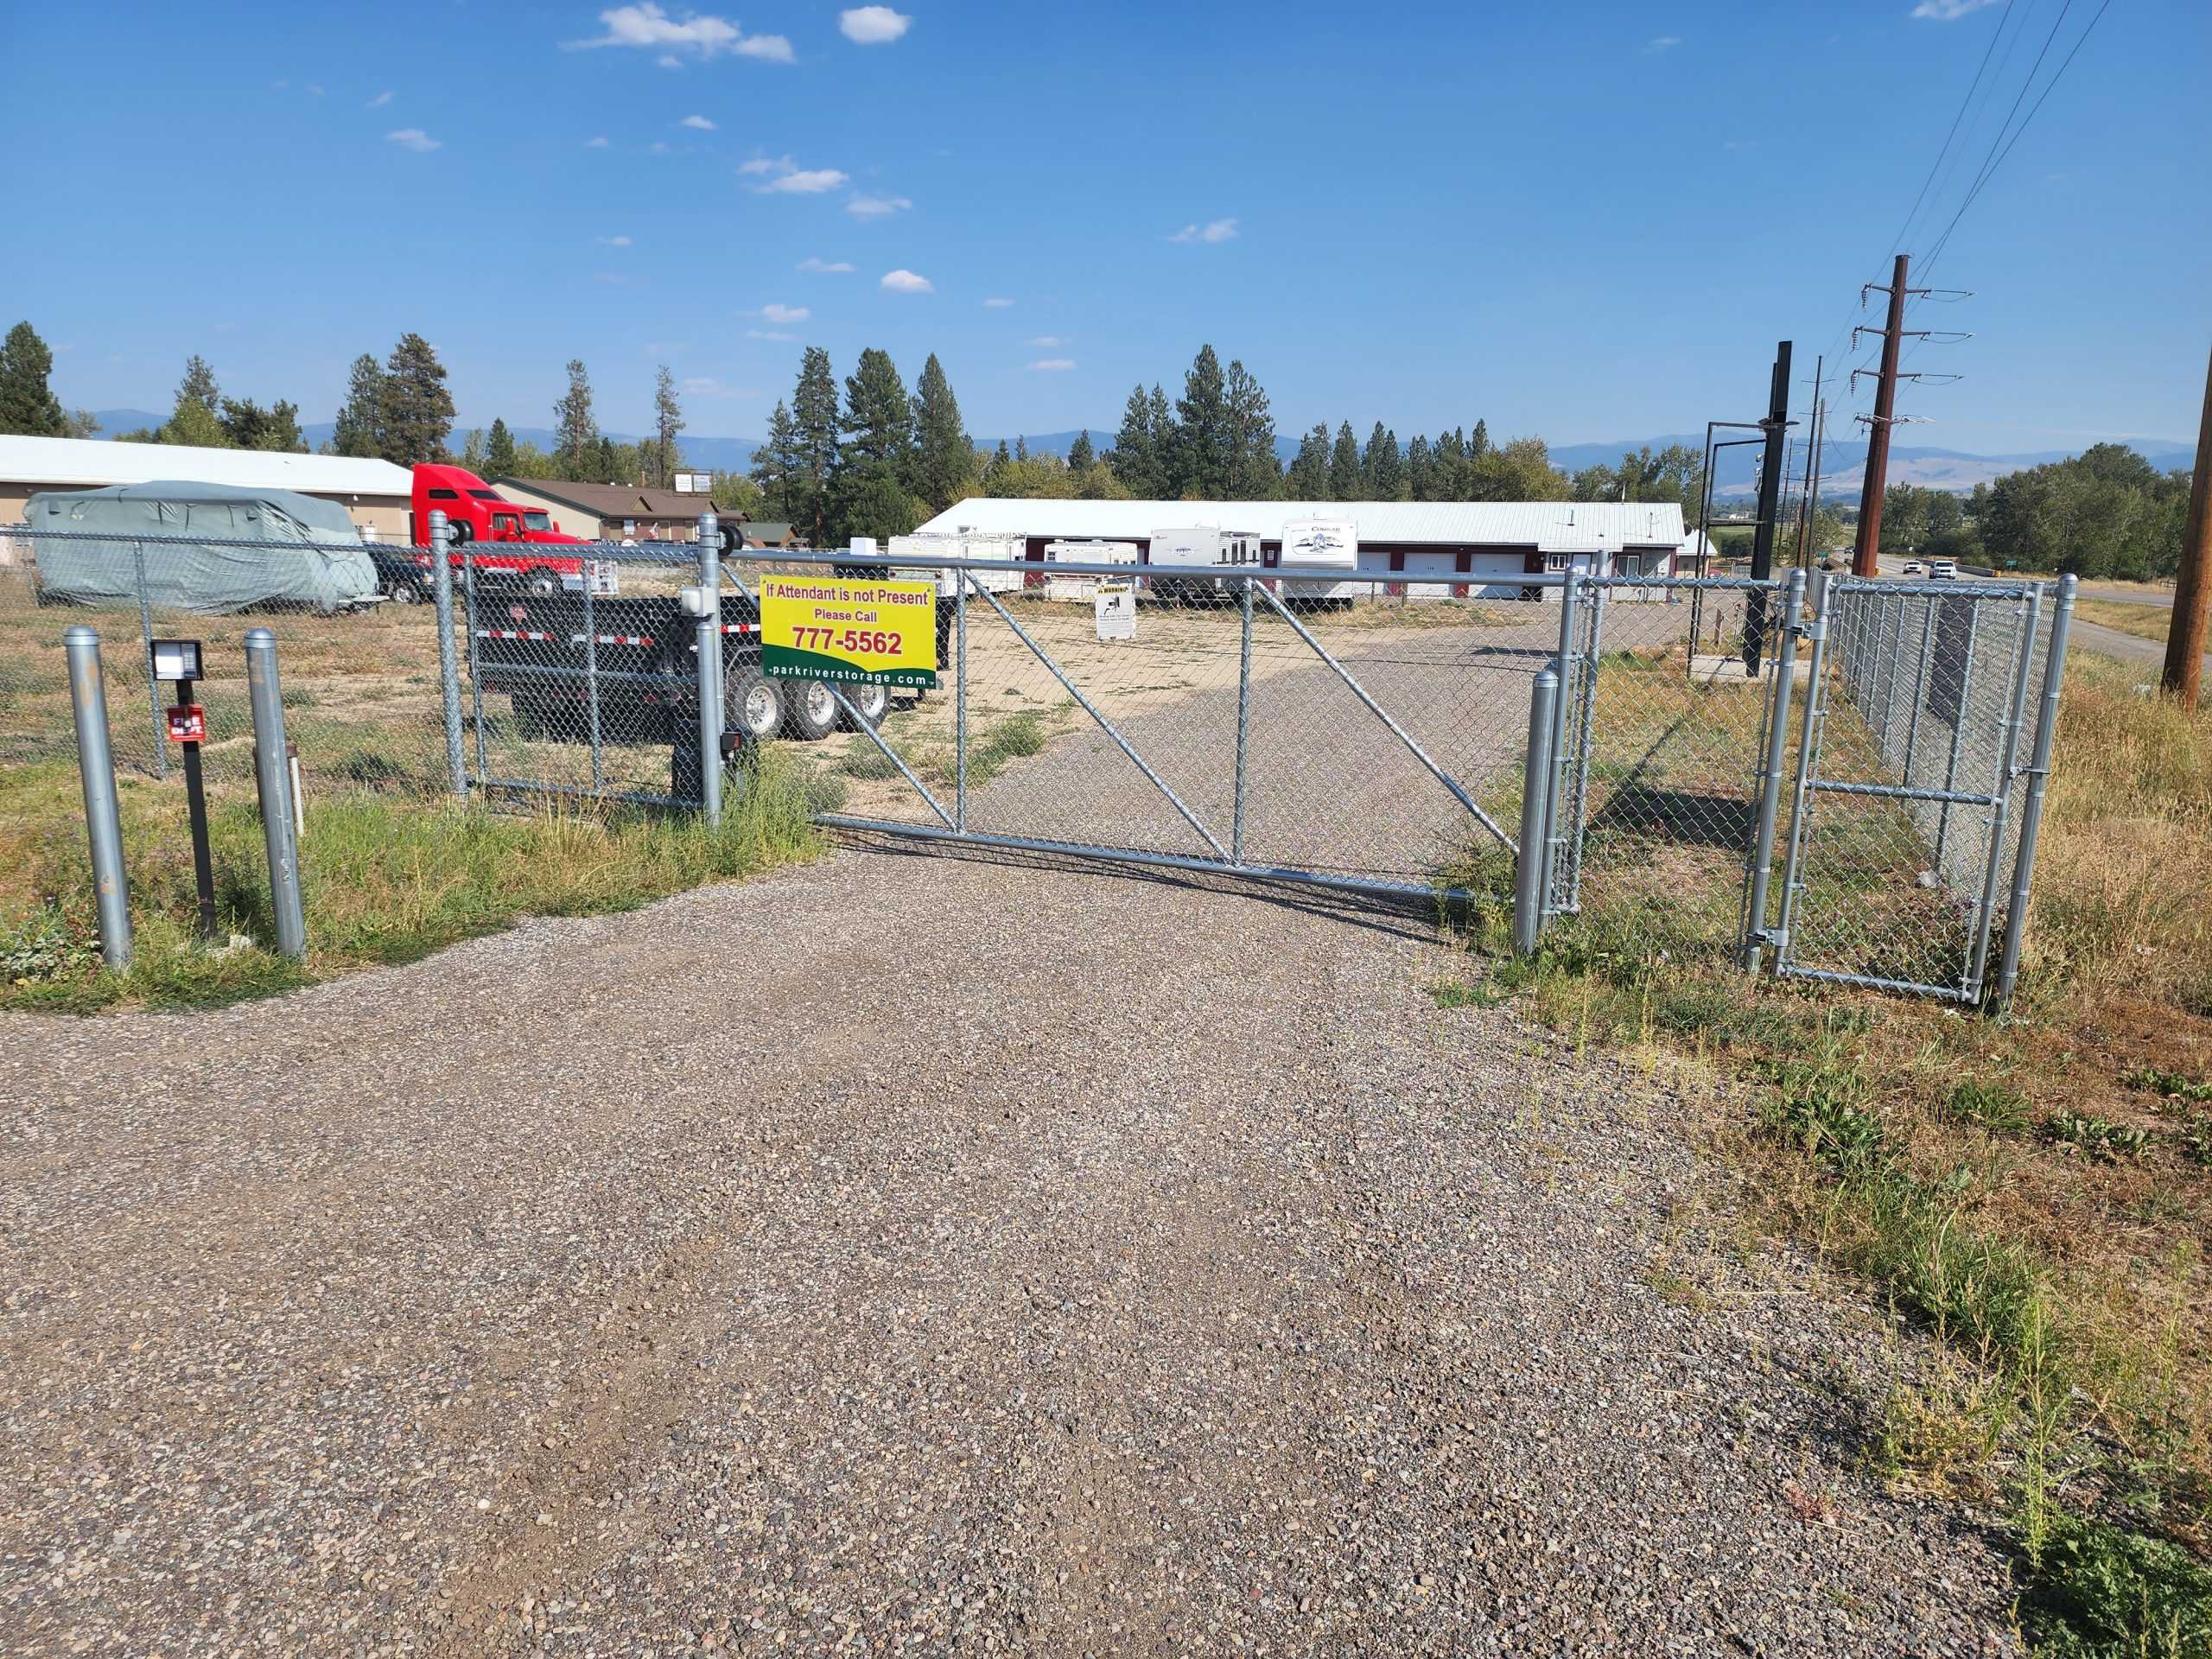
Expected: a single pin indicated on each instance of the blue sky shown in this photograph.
(1585, 220)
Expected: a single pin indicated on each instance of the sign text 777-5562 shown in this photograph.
(850, 630)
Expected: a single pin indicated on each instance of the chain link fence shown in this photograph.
(1852, 808)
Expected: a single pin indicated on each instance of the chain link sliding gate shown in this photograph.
(1862, 810)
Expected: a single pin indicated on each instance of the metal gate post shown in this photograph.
(468, 654)
(448, 670)
(1563, 666)
(2024, 866)
(1585, 709)
(1528, 860)
(103, 818)
(1777, 743)
(591, 676)
(1243, 728)
(708, 636)
(2001, 790)
(960, 703)
(273, 773)
(1808, 733)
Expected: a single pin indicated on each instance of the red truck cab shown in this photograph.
(481, 517)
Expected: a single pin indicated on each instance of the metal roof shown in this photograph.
(612, 501)
(1548, 526)
(95, 463)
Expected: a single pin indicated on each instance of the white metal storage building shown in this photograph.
(1470, 545)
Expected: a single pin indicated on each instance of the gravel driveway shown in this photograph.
(1150, 1268)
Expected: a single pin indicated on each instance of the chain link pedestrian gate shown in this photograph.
(1895, 744)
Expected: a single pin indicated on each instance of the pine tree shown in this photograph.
(1478, 441)
(1255, 469)
(1166, 437)
(576, 433)
(500, 452)
(27, 405)
(668, 420)
(996, 470)
(472, 451)
(199, 385)
(1020, 447)
(1383, 471)
(1421, 470)
(1202, 461)
(1308, 479)
(418, 410)
(1080, 456)
(1344, 466)
(608, 466)
(944, 465)
(360, 430)
(1135, 454)
(248, 426)
(778, 464)
(868, 495)
(814, 411)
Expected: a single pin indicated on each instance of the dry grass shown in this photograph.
(2144, 621)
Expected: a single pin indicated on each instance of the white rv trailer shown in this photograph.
(1006, 549)
(1082, 589)
(1321, 545)
(1202, 548)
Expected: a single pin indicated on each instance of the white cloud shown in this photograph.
(697, 124)
(871, 25)
(1048, 340)
(1949, 11)
(1053, 365)
(769, 333)
(786, 177)
(701, 35)
(599, 142)
(905, 282)
(834, 267)
(1216, 230)
(612, 241)
(786, 313)
(379, 100)
(996, 304)
(876, 207)
(315, 89)
(705, 386)
(412, 138)
(1662, 42)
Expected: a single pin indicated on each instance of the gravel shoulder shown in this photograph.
(1150, 1267)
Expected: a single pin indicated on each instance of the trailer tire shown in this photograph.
(871, 702)
(752, 703)
(813, 713)
(542, 584)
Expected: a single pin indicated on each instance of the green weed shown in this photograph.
(2094, 1591)
(1995, 1107)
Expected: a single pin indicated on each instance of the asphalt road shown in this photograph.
(920, 1254)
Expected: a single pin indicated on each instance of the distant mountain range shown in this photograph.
(1842, 462)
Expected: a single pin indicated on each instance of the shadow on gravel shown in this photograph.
(1407, 918)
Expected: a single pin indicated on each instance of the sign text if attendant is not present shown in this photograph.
(849, 631)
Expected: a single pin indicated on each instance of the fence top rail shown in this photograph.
(1890, 587)
(684, 553)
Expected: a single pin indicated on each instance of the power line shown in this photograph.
(1898, 241)
(1997, 156)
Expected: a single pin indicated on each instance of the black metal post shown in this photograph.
(1777, 424)
(195, 806)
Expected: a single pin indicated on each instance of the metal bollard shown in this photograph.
(273, 773)
(1777, 742)
(1536, 775)
(449, 669)
(710, 639)
(103, 816)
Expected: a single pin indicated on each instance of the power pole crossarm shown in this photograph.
(1866, 559)
(2184, 668)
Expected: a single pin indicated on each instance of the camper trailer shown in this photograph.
(1080, 590)
(1198, 550)
(998, 548)
(1325, 547)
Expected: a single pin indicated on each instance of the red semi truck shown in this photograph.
(503, 539)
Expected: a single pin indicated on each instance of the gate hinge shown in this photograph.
(1772, 939)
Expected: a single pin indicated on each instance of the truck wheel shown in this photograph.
(403, 593)
(871, 702)
(752, 703)
(813, 713)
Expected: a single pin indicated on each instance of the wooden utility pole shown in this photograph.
(1867, 552)
(2193, 586)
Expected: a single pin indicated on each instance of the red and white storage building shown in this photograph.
(1463, 547)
